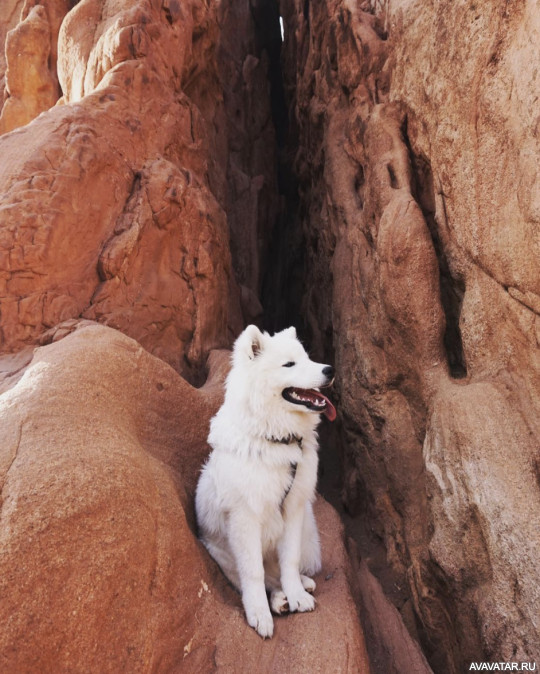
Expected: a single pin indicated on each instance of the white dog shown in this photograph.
(254, 497)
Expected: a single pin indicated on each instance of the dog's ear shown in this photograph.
(250, 342)
(290, 332)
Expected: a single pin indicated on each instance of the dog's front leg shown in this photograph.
(245, 540)
(289, 550)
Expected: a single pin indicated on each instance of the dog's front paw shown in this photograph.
(261, 620)
(300, 601)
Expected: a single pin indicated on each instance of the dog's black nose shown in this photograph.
(329, 371)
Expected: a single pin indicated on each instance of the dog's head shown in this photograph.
(277, 369)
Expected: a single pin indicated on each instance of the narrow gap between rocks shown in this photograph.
(283, 295)
(283, 281)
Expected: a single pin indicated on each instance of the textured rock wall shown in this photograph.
(10, 18)
(418, 168)
(28, 76)
(118, 203)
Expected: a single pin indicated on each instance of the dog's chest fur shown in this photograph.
(277, 490)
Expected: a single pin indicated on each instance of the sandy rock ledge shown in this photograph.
(100, 569)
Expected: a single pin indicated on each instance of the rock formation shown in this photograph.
(115, 207)
(101, 444)
(418, 168)
(133, 177)
(29, 81)
(153, 181)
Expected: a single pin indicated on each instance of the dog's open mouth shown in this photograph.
(311, 398)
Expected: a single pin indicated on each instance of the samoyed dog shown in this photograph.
(254, 497)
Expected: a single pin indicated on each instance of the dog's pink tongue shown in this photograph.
(329, 411)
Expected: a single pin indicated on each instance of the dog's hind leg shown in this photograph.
(308, 584)
(225, 560)
(279, 602)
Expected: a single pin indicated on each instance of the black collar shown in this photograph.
(289, 440)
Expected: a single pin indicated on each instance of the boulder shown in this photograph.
(101, 445)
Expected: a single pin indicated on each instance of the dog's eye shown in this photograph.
(289, 364)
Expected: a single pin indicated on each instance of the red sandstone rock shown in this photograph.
(11, 11)
(391, 648)
(101, 445)
(418, 177)
(107, 208)
(31, 83)
(155, 159)
(418, 170)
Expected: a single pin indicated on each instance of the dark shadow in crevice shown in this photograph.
(452, 288)
(283, 286)
(266, 19)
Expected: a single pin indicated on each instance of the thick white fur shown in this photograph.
(262, 536)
